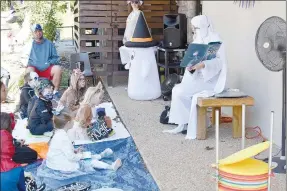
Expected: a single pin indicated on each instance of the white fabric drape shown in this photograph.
(143, 81)
(202, 83)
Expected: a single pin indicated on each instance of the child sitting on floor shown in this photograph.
(72, 97)
(22, 154)
(34, 98)
(63, 157)
(11, 173)
(82, 123)
(40, 117)
(27, 92)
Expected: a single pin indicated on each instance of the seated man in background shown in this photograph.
(44, 60)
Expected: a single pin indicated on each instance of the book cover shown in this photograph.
(199, 52)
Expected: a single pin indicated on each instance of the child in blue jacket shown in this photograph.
(40, 117)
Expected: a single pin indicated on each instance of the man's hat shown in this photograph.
(36, 27)
(141, 36)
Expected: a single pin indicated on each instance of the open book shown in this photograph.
(197, 53)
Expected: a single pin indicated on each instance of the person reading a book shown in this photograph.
(203, 79)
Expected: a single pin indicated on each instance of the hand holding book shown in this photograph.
(195, 67)
(196, 53)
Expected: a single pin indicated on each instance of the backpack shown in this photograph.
(164, 117)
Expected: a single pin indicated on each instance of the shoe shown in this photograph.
(107, 153)
(57, 96)
(48, 134)
(117, 164)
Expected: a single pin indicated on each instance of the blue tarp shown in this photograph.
(132, 176)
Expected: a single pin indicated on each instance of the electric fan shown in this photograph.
(270, 45)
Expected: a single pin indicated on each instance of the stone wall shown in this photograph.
(189, 9)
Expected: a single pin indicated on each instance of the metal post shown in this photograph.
(270, 150)
(243, 126)
(217, 146)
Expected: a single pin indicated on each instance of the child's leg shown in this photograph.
(24, 154)
(42, 128)
(106, 153)
(102, 165)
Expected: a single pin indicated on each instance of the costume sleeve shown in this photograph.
(30, 106)
(69, 151)
(54, 58)
(212, 67)
(26, 96)
(63, 98)
(44, 113)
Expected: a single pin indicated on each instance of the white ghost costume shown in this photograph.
(202, 83)
(143, 81)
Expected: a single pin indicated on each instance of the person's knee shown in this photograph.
(177, 90)
(56, 70)
(29, 69)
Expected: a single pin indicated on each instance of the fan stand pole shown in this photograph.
(281, 161)
(270, 150)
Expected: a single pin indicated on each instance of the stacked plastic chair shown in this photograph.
(240, 171)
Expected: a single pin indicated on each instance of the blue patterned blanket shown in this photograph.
(132, 176)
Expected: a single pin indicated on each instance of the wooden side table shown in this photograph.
(217, 103)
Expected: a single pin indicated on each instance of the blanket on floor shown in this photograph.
(132, 176)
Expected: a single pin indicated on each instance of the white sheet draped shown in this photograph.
(202, 83)
(144, 81)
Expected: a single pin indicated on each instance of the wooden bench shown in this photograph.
(217, 103)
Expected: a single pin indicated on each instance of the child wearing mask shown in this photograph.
(33, 99)
(40, 117)
(65, 157)
(72, 97)
(27, 92)
(11, 173)
(83, 121)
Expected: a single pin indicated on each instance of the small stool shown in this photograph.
(216, 104)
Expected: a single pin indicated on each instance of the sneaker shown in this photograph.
(117, 164)
(107, 153)
(57, 96)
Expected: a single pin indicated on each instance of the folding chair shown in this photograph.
(82, 61)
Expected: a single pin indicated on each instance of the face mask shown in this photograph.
(34, 79)
(48, 96)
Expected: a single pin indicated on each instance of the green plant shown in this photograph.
(44, 13)
(5, 5)
(65, 78)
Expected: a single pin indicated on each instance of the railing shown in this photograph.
(65, 27)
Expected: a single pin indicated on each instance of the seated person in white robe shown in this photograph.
(132, 20)
(208, 79)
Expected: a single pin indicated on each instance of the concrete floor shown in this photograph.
(175, 163)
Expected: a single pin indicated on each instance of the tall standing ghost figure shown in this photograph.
(139, 56)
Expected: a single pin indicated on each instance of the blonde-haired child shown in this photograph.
(62, 155)
(93, 97)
